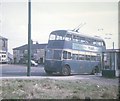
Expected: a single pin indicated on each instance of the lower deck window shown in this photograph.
(66, 55)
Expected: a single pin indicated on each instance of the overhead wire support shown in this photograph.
(78, 28)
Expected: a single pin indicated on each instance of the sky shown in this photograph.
(97, 17)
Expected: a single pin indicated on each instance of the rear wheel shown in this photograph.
(66, 70)
(95, 70)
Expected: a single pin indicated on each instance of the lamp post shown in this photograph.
(29, 39)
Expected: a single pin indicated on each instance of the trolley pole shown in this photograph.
(29, 39)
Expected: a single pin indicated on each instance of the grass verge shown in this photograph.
(55, 89)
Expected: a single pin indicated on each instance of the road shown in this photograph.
(8, 71)
(20, 70)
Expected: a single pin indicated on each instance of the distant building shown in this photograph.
(10, 58)
(3, 50)
(113, 60)
(20, 54)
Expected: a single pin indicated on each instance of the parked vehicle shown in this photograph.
(33, 63)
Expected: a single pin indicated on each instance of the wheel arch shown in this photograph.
(67, 66)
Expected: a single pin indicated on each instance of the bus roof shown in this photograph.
(65, 32)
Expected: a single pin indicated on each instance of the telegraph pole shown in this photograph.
(29, 39)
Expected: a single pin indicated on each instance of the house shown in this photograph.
(20, 54)
(10, 58)
(3, 49)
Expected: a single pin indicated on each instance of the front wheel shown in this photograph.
(66, 70)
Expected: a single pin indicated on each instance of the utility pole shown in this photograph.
(29, 39)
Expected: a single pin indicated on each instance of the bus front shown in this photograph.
(53, 60)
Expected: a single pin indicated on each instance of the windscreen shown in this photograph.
(53, 54)
(57, 54)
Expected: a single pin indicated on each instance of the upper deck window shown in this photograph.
(62, 35)
(57, 36)
(82, 40)
(98, 43)
(68, 37)
(76, 38)
(52, 37)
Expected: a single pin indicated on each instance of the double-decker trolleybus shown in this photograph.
(69, 52)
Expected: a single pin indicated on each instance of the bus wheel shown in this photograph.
(66, 70)
(48, 72)
(95, 70)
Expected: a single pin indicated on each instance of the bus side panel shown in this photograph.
(81, 67)
(89, 66)
(74, 65)
(58, 44)
(53, 66)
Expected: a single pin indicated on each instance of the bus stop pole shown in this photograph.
(29, 39)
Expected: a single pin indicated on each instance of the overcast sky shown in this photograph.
(51, 15)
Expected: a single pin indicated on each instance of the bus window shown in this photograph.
(98, 58)
(64, 54)
(89, 41)
(59, 37)
(82, 40)
(68, 37)
(57, 54)
(75, 56)
(52, 37)
(49, 54)
(98, 43)
(87, 57)
(93, 58)
(94, 42)
(81, 57)
(69, 55)
(75, 38)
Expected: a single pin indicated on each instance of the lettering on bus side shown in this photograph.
(85, 47)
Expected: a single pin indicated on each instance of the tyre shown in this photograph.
(66, 70)
(95, 70)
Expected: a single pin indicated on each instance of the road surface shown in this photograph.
(8, 71)
(20, 70)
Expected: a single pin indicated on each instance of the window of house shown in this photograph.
(3, 43)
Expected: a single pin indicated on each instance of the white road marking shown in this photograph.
(18, 71)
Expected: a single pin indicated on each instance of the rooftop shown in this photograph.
(33, 46)
(3, 38)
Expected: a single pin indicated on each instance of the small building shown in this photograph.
(20, 54)
(3, 49)
(113, 60)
